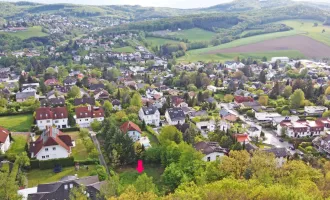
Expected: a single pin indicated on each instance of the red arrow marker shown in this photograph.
(139, 167)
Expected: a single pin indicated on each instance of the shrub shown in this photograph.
(49, 164)
(70, 129)
(87, 162)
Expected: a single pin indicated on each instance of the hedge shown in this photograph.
(87, 162)
(64, 162)
(17, 113)
(70, 129)
(34, 164)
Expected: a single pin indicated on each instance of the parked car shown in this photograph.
(292, 148)
(281, 140)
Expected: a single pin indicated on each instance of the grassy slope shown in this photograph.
(79, 152)
(160, 41)
(18, 144)
(127, 49)
(37, 176)
(17, 123)
(31, 32)
(194, 35)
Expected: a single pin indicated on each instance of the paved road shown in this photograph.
(97, 144)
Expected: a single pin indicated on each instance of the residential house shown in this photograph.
(97, 86)
(175, 116)
(281, 155)
(315, 110)
(254, 131)
(52, 82)
(226, 115)
(200, 113)
(233, 65)
(210, 125)
(301, 128)
(211, 150)
(29, 88)
(84, 101)
(86, 115)
(264, 116)
(101, 94)
(150, 115)
(322, 144)
(178, 102)
(53, 102)
(71, 81)
(241, 99)
(47, 117)
(116, 104)
(62, 188)
(54, 94)
(132, 130)
(23, 96)
(151, 93)
(242, 138)
(4, 140)
(51, 144)
(4, 77)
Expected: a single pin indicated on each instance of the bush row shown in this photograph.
(70, 129)
(64, 162)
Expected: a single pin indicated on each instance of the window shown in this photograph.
(65, 187)
(47, 156)
(56, 121)
(54, 148)
(42, 157)
(71, 185)
(208, 159)
(86, 120)
(46, 149)
(48, 121)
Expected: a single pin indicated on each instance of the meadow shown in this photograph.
(194, 35)
(127, 49)
(34, 31)
(160, 41)
(17, 123)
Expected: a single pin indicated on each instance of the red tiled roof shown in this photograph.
(50, 137)
(89, 112)
(241, 99)
(52, 81)
(51, 113)
(241, 137)
(4, 133)
(129, 126)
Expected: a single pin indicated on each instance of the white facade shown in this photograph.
(29, 89)
(153, 119)
(135, 135)
(281, 59)
(210, 125)
(5, 146)
(213, 156)
(263, 116)
(59, 123)
(86, 122)
(174, 122)
(315, 110)
(51, 152)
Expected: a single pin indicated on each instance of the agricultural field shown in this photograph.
(126, 49)
(17, 123)
(160, 41)
(34, 31)
(194, 35)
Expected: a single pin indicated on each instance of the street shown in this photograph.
(97, 144)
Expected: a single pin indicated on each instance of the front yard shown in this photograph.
(37, 176)
(79, 152)
(17, 123)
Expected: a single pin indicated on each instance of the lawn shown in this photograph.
(129, 175)
(126, 49)
(34, 31)
(37, 176)
(79, 152)
(153, 139)
(194, 35)
(17, 123)
(160, 41)
(18, 145)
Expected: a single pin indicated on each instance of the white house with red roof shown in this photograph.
(51, 144)
(86, 115)
(132, 130)
(4, 140)
(52, 117)
(301, 128)
(52, 82)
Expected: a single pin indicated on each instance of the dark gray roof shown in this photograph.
(83, 101)
(96, 86)
(116, 102)
(209, 147)
(278, 152)
(25, 95)
(224, 113)
(182, 127)
(199, 113)
(151, 110)
(70, 80)
(52, 102)
(176, 114)
(61, 190)
(250, 147)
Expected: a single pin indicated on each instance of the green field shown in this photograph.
(126, 49)
(79, 152)
(194, 35)
(18, 145)
(17, 123)
(34, 31)
(37, 176)
(160, 41)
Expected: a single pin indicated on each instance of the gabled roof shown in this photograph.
(4, 133)
(51, 113)
(151, 110)
(129, 126)
(52, 81)
(51, 136)
(209, 147)
(176, 114)
(278, 152)
(89, 112)
(25, 95)
(116, 102)
(96, 86)
(83, 101)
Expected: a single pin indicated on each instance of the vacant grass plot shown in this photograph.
(126, 49)
(17, 123)
(79, 152)
(160, 41)
(194, 35)
(34, 31)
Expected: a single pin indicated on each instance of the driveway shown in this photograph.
(97, 144)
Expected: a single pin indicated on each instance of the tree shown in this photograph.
(189, 135)
(74, 92)
(50, 71)
(262, 76)
(263, 166)
(131, 194)
(297, 99)
(170, 133)
(327, 91)
(263, 100)
(326, 114)
(110, 188)
(96, 126)
(145, 184)
(136, 100)
(62, 72)
(287, 91)
(228, 98)
(275, 91)
(236, 163)
(8, 187)
(77, 193)
(108, 107)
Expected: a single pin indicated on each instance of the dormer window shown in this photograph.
(46, 149)
(71, 185)
(65, 187)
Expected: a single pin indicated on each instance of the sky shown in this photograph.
(152, 3)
